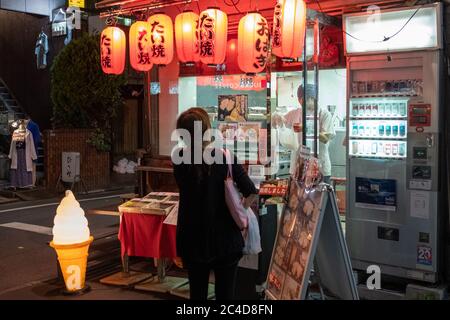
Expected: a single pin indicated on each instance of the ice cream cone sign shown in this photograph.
(71, 240)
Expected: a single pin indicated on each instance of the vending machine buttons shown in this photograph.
(420, 153)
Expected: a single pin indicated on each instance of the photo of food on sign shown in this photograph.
(291, 289)
(292, 251)
(233, 108)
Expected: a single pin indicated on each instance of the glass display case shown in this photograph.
(378, 127)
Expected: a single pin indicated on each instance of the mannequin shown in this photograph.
(22, 153)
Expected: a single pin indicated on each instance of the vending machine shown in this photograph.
(394, 139)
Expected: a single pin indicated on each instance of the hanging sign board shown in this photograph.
(77, 3)
(59, 22)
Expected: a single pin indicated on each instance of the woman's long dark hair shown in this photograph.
(186, 121)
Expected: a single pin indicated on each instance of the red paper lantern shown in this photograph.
(213, 29)
(253, 43)
(289, 27)
(187, 37)
(231, 57)
(112, 50)
(161, 39)
(140, 55)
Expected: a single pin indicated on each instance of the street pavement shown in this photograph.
(25, 231)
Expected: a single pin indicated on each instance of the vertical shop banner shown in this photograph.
(379, 194)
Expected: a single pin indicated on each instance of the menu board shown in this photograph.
(292, 257)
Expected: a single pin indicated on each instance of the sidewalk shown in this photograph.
(124, 183)
(51, 289)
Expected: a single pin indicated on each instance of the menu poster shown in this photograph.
(228, 131)
(233, 108)
(248, 131)
(292, 259)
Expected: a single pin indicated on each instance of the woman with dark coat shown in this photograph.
(207, 236)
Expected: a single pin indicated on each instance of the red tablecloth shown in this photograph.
(145, 235)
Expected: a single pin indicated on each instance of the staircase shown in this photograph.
(10, 109)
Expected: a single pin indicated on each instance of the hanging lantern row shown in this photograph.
(204, 38)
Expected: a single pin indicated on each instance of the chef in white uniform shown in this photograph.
(293, 121)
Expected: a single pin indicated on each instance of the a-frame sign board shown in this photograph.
(310, 237)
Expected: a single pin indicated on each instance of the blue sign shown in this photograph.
(378, 194)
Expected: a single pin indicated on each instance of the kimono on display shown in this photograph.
(22, 153)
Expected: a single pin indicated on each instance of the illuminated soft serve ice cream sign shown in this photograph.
(71, 240)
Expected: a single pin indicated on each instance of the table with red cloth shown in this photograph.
(145, 235)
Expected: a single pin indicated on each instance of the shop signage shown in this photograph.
(374, 32)
(310, 235)
(253, 43)
(161, 39)
(140, 46)
(289, 27)
(77, 3)
(59, 22)
(112, 50)
(213, 31)
(70, 166)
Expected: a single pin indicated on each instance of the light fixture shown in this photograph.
(140, 53)
(253, 43)
(71, 240)
(213, 30)
(187, 37)
(161, 39)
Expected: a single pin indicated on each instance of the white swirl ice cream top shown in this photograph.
(70, 224)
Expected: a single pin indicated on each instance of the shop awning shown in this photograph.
(331, 7)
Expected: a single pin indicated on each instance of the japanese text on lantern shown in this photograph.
(143, 54)
(106, 51)
(277, 25)
(262, 44)
(158, 40)
(207, 35)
